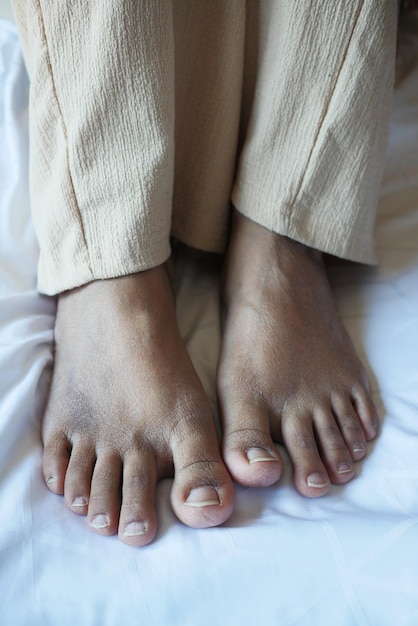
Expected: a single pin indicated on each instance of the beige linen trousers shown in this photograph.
(151, 118)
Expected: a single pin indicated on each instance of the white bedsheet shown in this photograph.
(346, 559)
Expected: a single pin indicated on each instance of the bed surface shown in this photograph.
(346, 559)
(6, 9)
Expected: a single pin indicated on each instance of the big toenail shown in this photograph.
(256, 455)
(134, 529)
(80, 501)
(202, 496)
(344, 468)
(100, 521)
(317, 480)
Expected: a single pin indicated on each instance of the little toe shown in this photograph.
(105, 494)
(55, 460)
(203, 494)
(309, 472)
(138, 520)
(78, 477)
(247, 446)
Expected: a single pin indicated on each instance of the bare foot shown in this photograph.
(126, 407)
(288, 371)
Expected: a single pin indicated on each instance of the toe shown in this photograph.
(78, 477)
(56, 456)
(138, 520)
(309, 472)
(247, 446)
(105, 495)
(333, 449)
(202, 495)
(350, 426)
(366, 411)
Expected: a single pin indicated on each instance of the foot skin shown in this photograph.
(288, 371)
(126, 408)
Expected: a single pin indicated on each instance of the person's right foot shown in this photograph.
(125, 408)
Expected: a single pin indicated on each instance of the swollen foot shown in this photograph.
(288, 371)
(126, 408)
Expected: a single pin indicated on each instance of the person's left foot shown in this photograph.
(288, 371)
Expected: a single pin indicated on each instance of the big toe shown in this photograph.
(203, 494)
(247, 446)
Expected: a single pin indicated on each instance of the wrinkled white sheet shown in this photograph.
(349, 558)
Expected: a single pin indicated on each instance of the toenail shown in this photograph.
(134, 529)
(317, 480)
(344, 468)
(51, 481)
(255, 455)
(80, 501)
(358, 447)
(100, 521)
(202, 496)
